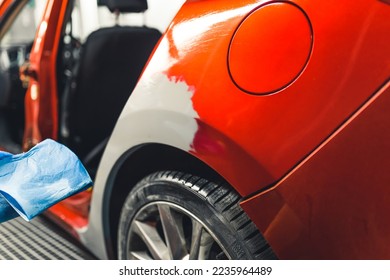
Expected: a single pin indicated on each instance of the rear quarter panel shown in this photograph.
(187, 99)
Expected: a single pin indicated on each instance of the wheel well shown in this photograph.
(134, 166)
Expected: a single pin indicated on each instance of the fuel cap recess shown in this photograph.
(270, 48)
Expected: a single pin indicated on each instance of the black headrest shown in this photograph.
(126, 6)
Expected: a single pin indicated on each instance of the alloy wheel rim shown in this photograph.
(164, 231)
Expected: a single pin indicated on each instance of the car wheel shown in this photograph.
(172, 215)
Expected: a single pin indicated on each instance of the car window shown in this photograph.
(23, 28)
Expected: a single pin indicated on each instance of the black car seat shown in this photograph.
(111, 61)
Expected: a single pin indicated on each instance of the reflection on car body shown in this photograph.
(244, 130)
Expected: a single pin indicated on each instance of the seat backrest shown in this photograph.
(111, 61)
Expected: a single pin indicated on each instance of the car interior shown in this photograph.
(99, 76)
(95, 75)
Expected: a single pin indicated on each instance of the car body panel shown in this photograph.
(252, 141)
(41, 97)
(286, 150)
(279, 130)
(338, 196)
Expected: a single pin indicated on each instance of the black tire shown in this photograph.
(172, 215)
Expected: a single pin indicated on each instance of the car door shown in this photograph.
(30, 101)
(41, 96)
(18, 24)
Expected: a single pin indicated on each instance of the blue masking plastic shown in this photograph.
(33, 181)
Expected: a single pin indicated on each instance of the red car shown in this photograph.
(246, 130)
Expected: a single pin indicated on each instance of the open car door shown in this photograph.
(40, 74)
(18, 22)
(29, 38)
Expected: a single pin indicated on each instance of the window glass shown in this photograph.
(22, 30)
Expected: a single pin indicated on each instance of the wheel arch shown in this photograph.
(136, 164)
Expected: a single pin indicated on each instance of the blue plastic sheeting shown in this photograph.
(33, 181)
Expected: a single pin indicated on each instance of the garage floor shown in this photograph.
(38, 239)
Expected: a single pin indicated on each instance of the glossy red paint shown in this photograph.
(334, 202)
(4, 5)
(41, 97)
(311, 157)
(72, 213)
(270, 48)
(349, 62)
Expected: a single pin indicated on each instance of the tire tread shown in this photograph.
(226, 200)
